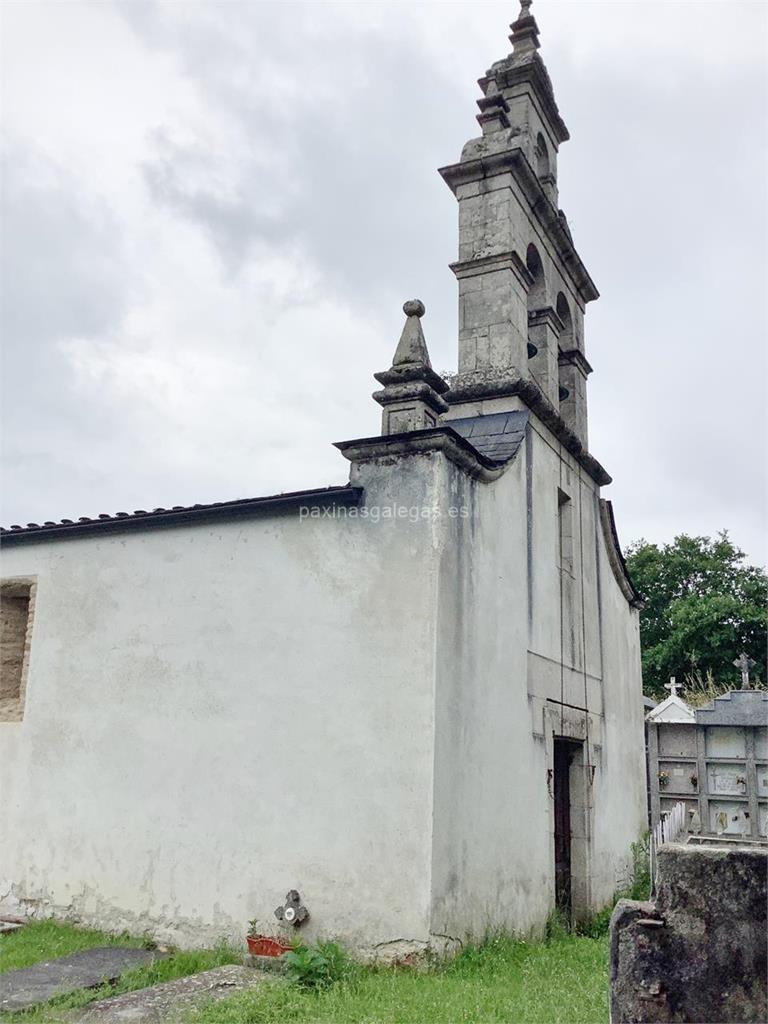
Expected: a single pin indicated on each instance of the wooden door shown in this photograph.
(562, 794)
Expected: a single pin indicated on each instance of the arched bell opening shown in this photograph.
(543, 169)
(564, 342)
(536, 291)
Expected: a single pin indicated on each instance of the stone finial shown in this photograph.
(412, 348)
(412, 394)
(414, 307)
(525, 31)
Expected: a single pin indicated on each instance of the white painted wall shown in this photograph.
(489, 852)
(499, 674)
(619, 798)
(363, 711)
(216, 714)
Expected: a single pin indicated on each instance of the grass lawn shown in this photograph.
(46, 940)
(564, 981)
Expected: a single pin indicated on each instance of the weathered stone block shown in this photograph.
(698, 953)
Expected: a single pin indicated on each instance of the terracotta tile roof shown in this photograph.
(275, 503)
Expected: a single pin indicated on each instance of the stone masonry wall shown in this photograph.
(14, 621)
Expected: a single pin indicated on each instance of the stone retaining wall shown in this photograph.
(698, 952)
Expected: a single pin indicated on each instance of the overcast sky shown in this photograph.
(213, 212)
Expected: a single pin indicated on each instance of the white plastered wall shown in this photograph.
(361, 710)
(502, 697)
(218, 713)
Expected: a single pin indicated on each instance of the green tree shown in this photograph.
(703, 607)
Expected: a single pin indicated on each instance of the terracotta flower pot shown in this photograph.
(264, 945)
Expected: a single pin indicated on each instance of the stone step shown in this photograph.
(163, 1002)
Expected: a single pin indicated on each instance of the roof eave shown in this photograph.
(275, 504)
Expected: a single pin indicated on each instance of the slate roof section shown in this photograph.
(273, 504)
(497, 436)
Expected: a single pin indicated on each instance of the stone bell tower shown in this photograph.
(522, 286)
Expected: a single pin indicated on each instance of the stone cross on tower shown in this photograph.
(745, 663)
(673, 686)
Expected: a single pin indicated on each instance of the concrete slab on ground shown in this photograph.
(30, 986)
(161, 1004)
(10, 926)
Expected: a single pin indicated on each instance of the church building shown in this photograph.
(415, 698)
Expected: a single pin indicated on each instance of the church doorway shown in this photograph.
(568, 783)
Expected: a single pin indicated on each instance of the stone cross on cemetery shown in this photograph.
(673, 686)
(745, 663)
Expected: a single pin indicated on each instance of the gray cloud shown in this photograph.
(339, 172)
(277, 199)
(62, 275)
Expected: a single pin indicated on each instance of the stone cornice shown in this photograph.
(415, 390)
(547, 316)
(421, 442)
(574, 357)
(514, 161)
(408, 372)
(493, 102)
(615, 556)
(489, 264)
(493, 113)
(480, 385)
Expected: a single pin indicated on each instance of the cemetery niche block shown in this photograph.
(677, 741)
(715, 763)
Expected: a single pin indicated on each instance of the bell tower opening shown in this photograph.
(564, 344)
(542, 157)
(542, 328)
